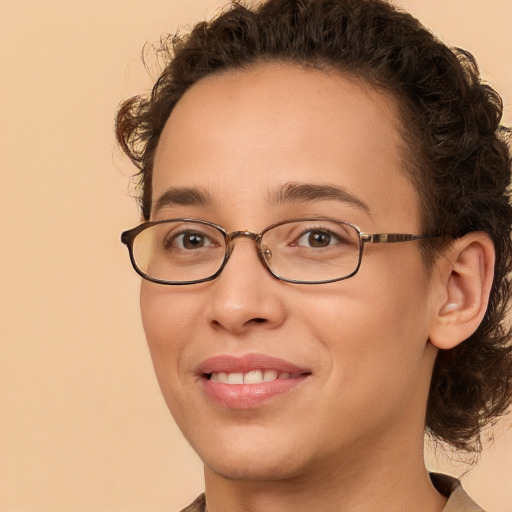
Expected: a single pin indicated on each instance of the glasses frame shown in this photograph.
(128, 237)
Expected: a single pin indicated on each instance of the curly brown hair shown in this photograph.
(458, 154)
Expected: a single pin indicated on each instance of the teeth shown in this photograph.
(269, 375)
(219, 377)
(252, 377)
(235, 378)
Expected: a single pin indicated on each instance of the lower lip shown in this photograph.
(248, 396)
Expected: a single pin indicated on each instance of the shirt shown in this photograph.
(458, 500)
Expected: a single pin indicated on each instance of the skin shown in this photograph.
(350, 437)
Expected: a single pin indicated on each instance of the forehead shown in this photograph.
(244, 134)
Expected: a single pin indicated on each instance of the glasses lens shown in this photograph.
(312, 250)
(179, 251)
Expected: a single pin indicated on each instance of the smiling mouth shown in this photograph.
(249, 381)
(252, 376)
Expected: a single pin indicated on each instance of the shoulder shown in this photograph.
(197, 506)
(458, 500)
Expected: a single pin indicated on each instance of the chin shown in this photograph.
(253, 457)
(251, 469)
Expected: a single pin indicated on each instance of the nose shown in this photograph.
(246, 296)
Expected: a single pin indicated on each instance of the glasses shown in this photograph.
(305, 251)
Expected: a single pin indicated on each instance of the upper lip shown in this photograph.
(242, 364)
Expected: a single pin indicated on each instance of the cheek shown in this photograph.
(167, 316)
(358, 332)
(168, 322)
(374, 334)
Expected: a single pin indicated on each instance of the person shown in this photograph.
(325, 254)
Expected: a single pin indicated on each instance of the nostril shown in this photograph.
(258, 320)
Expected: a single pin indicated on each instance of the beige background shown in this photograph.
(82, 424)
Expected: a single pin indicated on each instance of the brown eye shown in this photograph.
(190, 240)
(319, 239)
(316, 238)
(193, 240)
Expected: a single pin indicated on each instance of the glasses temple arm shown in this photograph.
(388, 238)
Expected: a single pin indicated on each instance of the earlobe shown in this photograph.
(463, 280)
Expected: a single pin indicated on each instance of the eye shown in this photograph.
(317, 238)
(189, 240)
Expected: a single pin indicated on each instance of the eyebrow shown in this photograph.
(305, 192)
(288, 193)
(183, 196)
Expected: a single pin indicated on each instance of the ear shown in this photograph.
(462, 284)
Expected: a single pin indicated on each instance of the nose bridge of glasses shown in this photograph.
(230, 237)
(263, 252)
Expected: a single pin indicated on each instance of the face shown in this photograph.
(351, 357)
